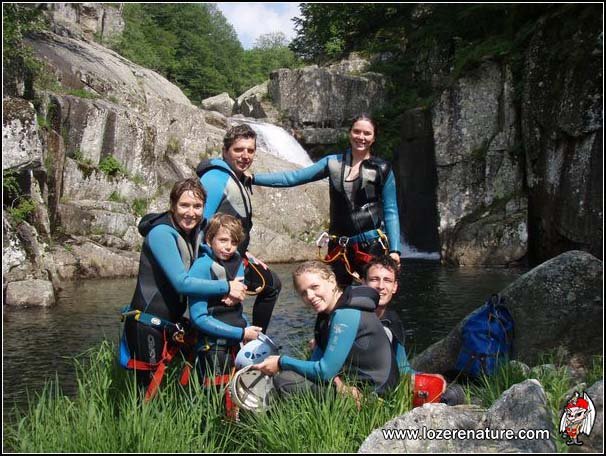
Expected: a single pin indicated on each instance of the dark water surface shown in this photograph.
(39, 343)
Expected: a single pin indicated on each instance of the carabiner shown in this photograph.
(323, 240)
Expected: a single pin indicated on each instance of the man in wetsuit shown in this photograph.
(229, 191)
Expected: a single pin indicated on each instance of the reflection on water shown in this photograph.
(37, 343)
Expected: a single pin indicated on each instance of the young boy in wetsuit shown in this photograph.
(222, 327)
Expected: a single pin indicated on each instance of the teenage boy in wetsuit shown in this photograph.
(222, 326)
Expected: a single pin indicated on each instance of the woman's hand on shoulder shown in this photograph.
(396, 257)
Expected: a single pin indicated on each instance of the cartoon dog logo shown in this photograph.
(578, 418)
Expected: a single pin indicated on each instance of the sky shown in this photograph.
(251, 19)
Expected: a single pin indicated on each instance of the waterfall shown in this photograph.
(277, 142)
(410, 253)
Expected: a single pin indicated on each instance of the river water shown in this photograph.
(39, 343)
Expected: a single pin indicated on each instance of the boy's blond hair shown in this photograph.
(228, 222)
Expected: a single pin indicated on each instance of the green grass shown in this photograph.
(108, 415)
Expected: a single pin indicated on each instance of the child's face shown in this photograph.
(223, 245)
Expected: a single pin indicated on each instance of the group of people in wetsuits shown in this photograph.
(195, 271)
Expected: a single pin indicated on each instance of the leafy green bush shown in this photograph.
(110, 166)
(116, 197)
(23, 210)
(10, 186)
(139, 206)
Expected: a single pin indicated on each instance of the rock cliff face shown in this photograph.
(562, 127)
(104, 144)
(86, 20)
(514, 174)
(318, 103)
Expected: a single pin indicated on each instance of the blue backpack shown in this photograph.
(487, 338)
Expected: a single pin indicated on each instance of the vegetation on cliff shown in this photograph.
(193, 46)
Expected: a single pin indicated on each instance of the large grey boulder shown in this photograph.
(319, 97)
(27, 293)
(287, 220)
(556, 306)
(482, 213)
(84, 259)
(221, 103)
(521, 408)
(255, 103)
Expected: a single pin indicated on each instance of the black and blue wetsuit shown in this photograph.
(358, 207)
(163, 283)
(395, 332)
(229, 194)
(351, 341)
(221, 326)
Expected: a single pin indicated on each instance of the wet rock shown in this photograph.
(482, 213)
(26, 293)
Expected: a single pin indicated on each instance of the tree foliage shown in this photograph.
(18, 21)
(194, 46)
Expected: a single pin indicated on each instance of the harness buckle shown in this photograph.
(383, 240)
(130, 313)
(343, 241)
(179, 334)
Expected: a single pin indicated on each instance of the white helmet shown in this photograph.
(252, 390)
(255, 351)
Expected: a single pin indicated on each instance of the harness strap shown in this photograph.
(339, 252)
(179, 342)
(256, 291)
(168, 353)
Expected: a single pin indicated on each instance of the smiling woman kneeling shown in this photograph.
(350, 339)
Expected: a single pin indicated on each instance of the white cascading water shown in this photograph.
(277, 142)
(410, 253)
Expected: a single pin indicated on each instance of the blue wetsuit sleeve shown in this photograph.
(316, 354)
(162, 241)
(402, 359)
(342, 334)
(198, 308)
(214, 182)
(391, 214)
(312, 173)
